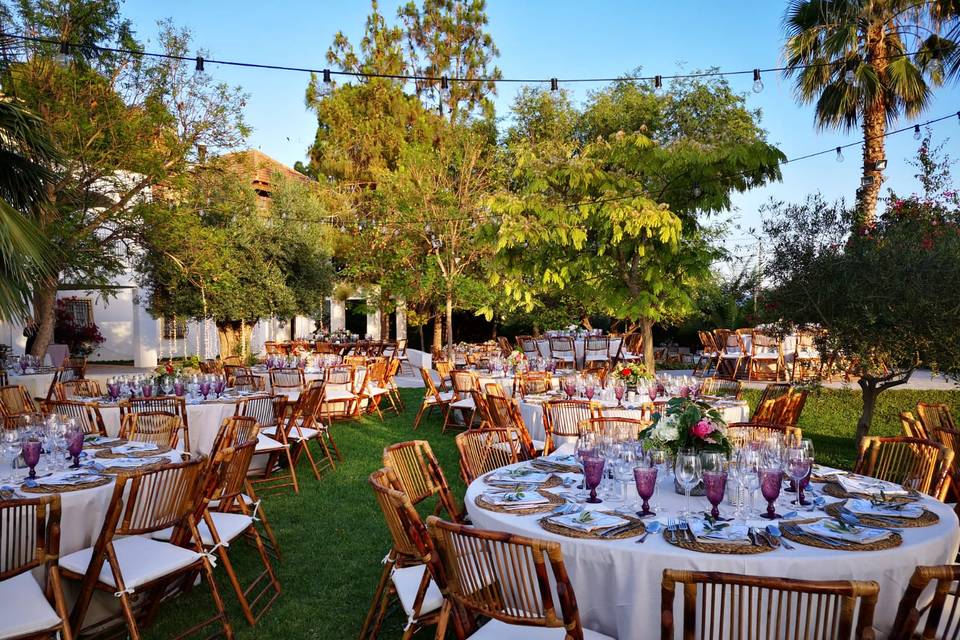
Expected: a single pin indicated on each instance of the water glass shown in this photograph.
(688, 473)
(798, 467)
(748, 468)
(715, 485)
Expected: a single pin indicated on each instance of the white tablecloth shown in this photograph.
(543, 345)
(617, 582)
(38, 384)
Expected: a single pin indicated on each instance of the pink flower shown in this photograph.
(703, 428)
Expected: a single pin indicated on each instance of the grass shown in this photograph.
(333, 536)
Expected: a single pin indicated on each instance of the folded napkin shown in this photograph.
(561, 458)
(829, 528)
(821, 470)
(869, 486)
(515, 498)
(866, 508)
(588, 521)
(519, 474)
(98, 440)
(718, 532)
(63, 478)
(122, 463)
(134, 447)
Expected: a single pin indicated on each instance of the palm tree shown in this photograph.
(866, 63)
(26, 153)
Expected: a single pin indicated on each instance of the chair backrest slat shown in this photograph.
(484, 450)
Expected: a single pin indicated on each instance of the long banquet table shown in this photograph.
(617, 582)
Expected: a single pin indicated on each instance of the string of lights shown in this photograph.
(65, 47)
(916, 128)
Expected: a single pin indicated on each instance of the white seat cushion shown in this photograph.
(463, 403)
(594, 357)
(266, 444)
(496, 630)
(230, 526)
(141, 559)
(23, 607)
(305, 432)
(375, 391)
(407, 581)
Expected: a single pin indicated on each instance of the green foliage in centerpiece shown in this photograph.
(631, 373)
(689, 424)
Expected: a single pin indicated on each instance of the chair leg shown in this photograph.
(261, 515)
(217, 600)
(416, 421)
(378, 596)
(303, 447)
(293, 471)
(333, 443)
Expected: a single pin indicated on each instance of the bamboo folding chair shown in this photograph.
(444, 368)
(464, 382)
(420, 476)
(765, 405)
(532, 382)
(598, 369)
(432, 398)
(709, 356)
(303, 424)
(173, 405)
(157, 427)
(78, 388)
(950, 438)
(482, 408)
(231, 371)
(723, 605)
(913, 428)
(529, 346)
(562, 350)
(917, 464)
(733, 353)
(935, 416)
(126, 560)
(271, 441)
(605, 424)
(495, 575)
(722, 388)
(223, 517)
(505, 414)
(743, 433)
(30, 540)
(287, 380)
(236, 361)
(766, 352)
(251, 383)
(375, 388)
(807, 357)
(85, 414)
(645, 409)
(939, 617)
(596, 349)
(55, 381)
(790, 407)
(484, 450)
(561, 419)
(16, 401)
(405, 576)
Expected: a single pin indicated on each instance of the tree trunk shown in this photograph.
(44, 312)
(384, 324)
(870, 393)
(450, 324)
(874, 127)
(233, 335)
(648, 358)
(422, 344)
(437, 331)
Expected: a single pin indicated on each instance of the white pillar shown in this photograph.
(338, 315)
(146, 333)
(373, 325)
(401, 319)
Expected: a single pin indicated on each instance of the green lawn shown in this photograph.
(333, 537)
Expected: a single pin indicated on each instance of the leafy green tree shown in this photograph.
(612, 215)
(212, 251)
(26, 155)
(885, 297)
(122, 123)
(866, 64)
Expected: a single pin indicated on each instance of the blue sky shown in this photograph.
(540, 38)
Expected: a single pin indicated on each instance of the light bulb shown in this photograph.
(757, 82)
(839, 154)
(850, 77)
(916, 132)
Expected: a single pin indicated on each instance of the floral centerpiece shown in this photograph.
(689, 424)
(631, 374)
(516, 358)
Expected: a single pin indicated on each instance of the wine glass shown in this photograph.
(167, 385)
(623, 470)
(74, 438)
(712, 461)
(771, 480)
(646, 480)
(589, 389)
(619, 388)
(715, 485)
(592, 475)
(569, 387)
(798, 465)
(30, 450)
(652, 392)
(748, 467)
(688, 473)
(659, 458)
(9, 449)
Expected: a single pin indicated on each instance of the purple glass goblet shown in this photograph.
(589, 391)
(771, 479)
(646, 479)
(652, 392)
(618, 391)
(592, 475)
(114, 390)
(147, 390)
(178, 389)
(715, 484)
(30, 449)
(569, 389)
(75, 446)
(205, 389)
(684, 391)
(219, 386)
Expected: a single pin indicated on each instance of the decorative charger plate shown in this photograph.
(637, 528)
(95, 481)
(890, 542)
(108, 453)
(928, 519)
(722, 547)
(553, 501)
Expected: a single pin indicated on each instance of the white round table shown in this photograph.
(203, 420)
(617, 582)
